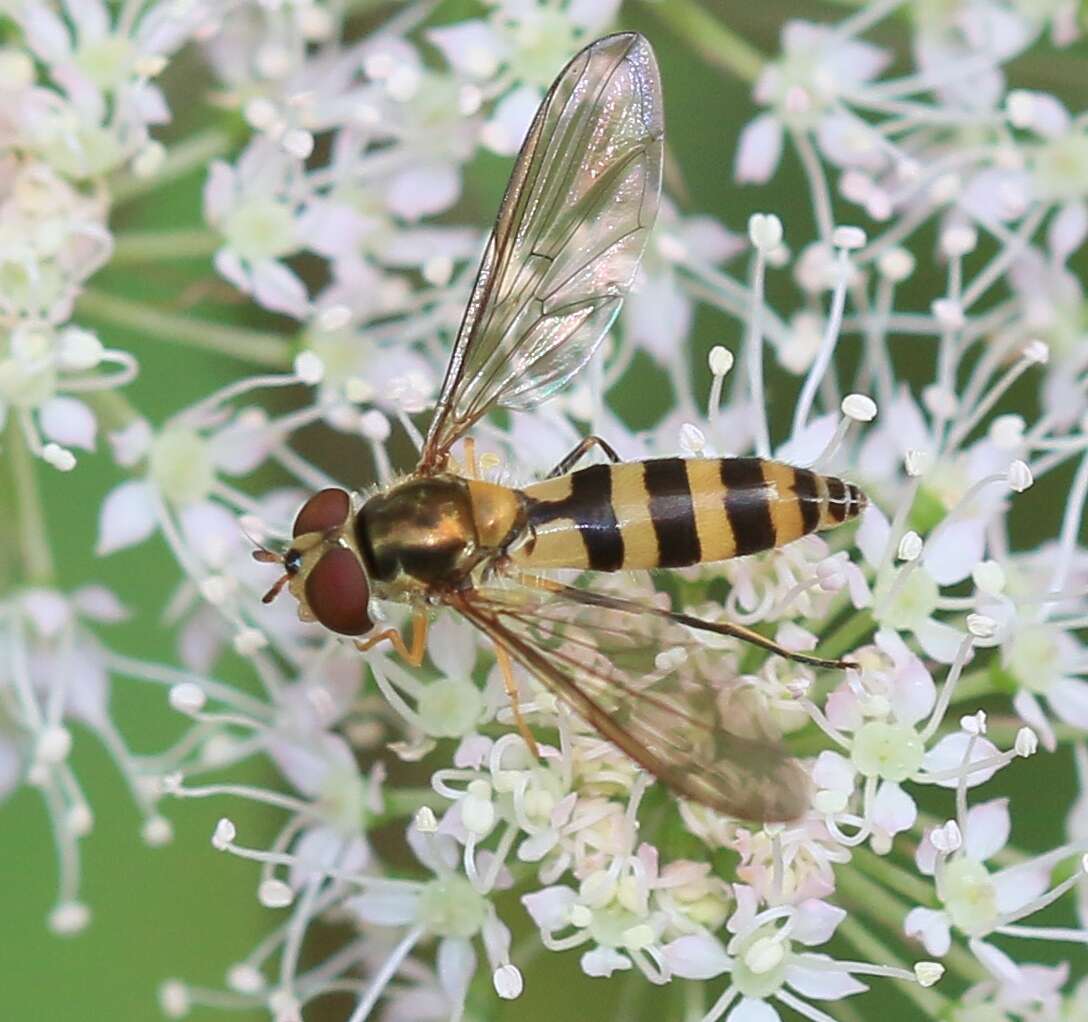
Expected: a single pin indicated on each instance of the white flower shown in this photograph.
(764, 958)
(974, 900)
(258, 213)
(803, 87)
(105, 102)
(55, 673)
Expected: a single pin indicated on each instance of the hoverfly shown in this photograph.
(567, 242)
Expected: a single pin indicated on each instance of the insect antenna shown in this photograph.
(265, 556)
(277, 586)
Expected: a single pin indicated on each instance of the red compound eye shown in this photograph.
(328, 509)
(338, 592)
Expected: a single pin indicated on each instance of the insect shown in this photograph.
(567, 242)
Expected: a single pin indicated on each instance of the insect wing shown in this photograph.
(645, 683)
(570, 232)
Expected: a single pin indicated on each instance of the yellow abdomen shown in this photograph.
(674, 512)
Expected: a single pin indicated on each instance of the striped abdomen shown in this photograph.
(673, 512)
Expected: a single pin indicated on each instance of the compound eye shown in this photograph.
(338, 592)
(327, 509)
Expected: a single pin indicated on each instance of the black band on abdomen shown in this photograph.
(808, 498)
(746, 504)
(672, 512)
(589, 507)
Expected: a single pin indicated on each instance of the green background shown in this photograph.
(187, 911)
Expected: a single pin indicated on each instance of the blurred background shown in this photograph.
(185, 910)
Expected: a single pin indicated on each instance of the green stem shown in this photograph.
(1003, 731)
(29, 511)
(405, 802)
(258, 347)
(894, 876)
(873, 949)
(166, 246)
(112, 410)
(710, 38)
(846, 1012)
(847, 636)
(974, 685)
(191, 154)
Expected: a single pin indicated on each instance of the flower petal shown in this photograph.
(510, 122)
(592, 15)
(1018, 885)
(11, 767)
(751, 1010)
(211, 531)
(931, 928)
(696, 956)
(1068, 230)
(280, 289)
(46, 34)
(456, 964)
(1068, 698)
(938, 640)
(454, 651)
(385, 908)
(127, 517)
(872, 535)
(99, 604)
(948, 754)
(423, 190)
(759, 150)
(833, 772)
(995, 961)
(821, 983)
(48, 611)
(1031, 713)
(893, 809)
(549, 907)
(804, 447)
(814, 921)
(243, 444)
(68, 421)
(230, 265)
(658, 315)
(954, 550)
(469, 46)
(219, 191)
(603, 961)
(987, 829)
(87, 689)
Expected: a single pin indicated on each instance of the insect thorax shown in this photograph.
(421, 530)
(431, 532)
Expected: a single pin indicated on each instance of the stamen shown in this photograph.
(765, 232)
(948, 689)
(827, 345)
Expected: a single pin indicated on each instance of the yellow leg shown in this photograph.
(510, 684)
(471, 470)
(412, 655)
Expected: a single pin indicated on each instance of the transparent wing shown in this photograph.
(566, 245)
(646, 682)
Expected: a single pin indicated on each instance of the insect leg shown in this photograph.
(411, 655)
(584, 447)
(511, 685)
(471, 469)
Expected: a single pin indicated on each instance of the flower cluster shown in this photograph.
(407, 799)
